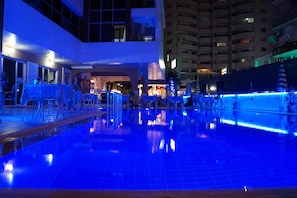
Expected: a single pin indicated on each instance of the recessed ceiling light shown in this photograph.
(81, 67)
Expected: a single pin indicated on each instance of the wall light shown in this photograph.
(81, 67)
(50, 62)
(8, 50)
(213, 88)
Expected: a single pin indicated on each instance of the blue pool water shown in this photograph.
(159, 150)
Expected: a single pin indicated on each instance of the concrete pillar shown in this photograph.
(1, 33)
(144, 74)
(1, 23)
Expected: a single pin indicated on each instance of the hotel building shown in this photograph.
(105, 41)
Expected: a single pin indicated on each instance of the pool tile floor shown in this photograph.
(208, 165)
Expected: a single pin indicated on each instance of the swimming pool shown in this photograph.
(159, 150)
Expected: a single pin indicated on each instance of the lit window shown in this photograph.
(246, 40)
(119, 33)
(221, 44)
(249, 20)
(224, 71)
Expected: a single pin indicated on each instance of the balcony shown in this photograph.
(221, 39)
(205, 58)
(221, 57)
(222, 30)
(242, 6)
(188, 28)
(204, 14)
(204, 39)
(243, 35)
(121, 52)
(221, 13)
(189, 47)
(188, 19)
(205, 48)
(206, 5)
(186, 10)
(204, 22)
(288, 46)
(189, 56)
(206, 32)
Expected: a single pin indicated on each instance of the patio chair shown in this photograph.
(88, 101)
(10, 97)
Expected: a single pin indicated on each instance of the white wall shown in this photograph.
(32, 72)
(123, 52)
(30, 25)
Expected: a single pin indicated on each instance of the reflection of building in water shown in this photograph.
(204, 121)
(167, 144)
(159, 130)
(157, 90)
(151, 117)
(161, 140)
(154, 138)
(111, 121)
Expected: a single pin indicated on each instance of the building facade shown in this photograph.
(204, 38)
(55, 40)
(284, 31)
(283, 44)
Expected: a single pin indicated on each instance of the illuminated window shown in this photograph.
(249, 20)
(224, 71)
(119, 33)
(246, 40)
(220, 44)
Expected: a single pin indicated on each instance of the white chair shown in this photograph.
(88, 101)
(10, 97)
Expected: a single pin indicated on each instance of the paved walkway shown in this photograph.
(15, 123)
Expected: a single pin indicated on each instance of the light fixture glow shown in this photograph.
(173, 64)
(81, 67)
(254, 126)
(115, 63)
(8, 167)
(230, 122)
(172, 144)
(244, 124)
(8, 50)
(257, 94)
(49, 158)
(213, 88)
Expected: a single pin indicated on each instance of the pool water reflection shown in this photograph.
(158, 149)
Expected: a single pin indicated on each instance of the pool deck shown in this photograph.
(32, 193)
(14, 123)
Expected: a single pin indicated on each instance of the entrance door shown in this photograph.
(14, 69)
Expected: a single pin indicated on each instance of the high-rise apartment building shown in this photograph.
(212, 37)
